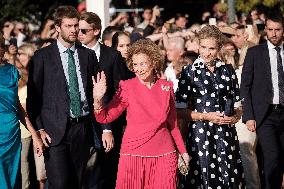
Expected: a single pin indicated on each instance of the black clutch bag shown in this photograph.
(229, 107)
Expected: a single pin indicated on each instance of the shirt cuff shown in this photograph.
(107, 131)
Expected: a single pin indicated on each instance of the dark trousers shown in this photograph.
(93, 178)
(101, 170)
(271, 137)
(66, 162)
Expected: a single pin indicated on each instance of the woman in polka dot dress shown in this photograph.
(209, 88)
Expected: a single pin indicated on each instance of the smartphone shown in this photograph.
(250, 31)
(13, 41)
(212, 21)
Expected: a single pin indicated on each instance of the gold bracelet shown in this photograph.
(98, 109)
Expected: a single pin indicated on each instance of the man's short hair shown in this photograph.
(107, 33)
(148, 8)
(275, 17)
(180, 15)
(93, 19)
(65, 12)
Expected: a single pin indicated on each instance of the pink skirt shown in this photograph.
(136, 172)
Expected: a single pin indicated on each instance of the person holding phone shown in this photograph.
(208, 89)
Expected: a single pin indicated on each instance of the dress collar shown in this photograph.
(199, 63)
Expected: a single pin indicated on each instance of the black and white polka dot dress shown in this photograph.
(216, 161)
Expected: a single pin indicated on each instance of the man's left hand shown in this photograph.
(108, 141)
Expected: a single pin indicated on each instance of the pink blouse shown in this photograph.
(151, 118)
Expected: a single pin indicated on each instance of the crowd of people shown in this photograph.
(155, 104)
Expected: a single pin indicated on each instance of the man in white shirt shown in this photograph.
(262, 88)
(110, 61)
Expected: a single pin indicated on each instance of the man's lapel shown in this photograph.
(58, 67)
(83, 62)
(102, 55)
(267, 66)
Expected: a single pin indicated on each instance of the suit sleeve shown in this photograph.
(117, 69)
(235, 90)
(35, 90)
(246, 86)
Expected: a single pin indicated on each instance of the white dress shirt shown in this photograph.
(274, 72)
(64, 60)
(171, 76)
(96, 48)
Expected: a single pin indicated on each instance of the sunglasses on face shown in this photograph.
(84, 31)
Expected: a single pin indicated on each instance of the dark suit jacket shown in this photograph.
(47, 100)
(256, 84)
(112, 63)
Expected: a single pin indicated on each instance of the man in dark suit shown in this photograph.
(262, 88)
(110, 61)
(59, 101)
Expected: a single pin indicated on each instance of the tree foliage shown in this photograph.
(246, 5)
(30, 10)
(18, 10)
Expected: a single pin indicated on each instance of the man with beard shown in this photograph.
(262, 88)
(59, 101)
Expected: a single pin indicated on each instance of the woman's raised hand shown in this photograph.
(99, 86)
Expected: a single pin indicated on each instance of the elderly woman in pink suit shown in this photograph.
(148, 155)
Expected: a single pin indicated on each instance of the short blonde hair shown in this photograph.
(149, 48)
(210, 31)
(28, 49)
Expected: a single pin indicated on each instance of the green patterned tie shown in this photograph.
(74, 93)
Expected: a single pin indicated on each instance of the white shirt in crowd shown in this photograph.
(96, 48)
(171, 76)
(274, 72)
